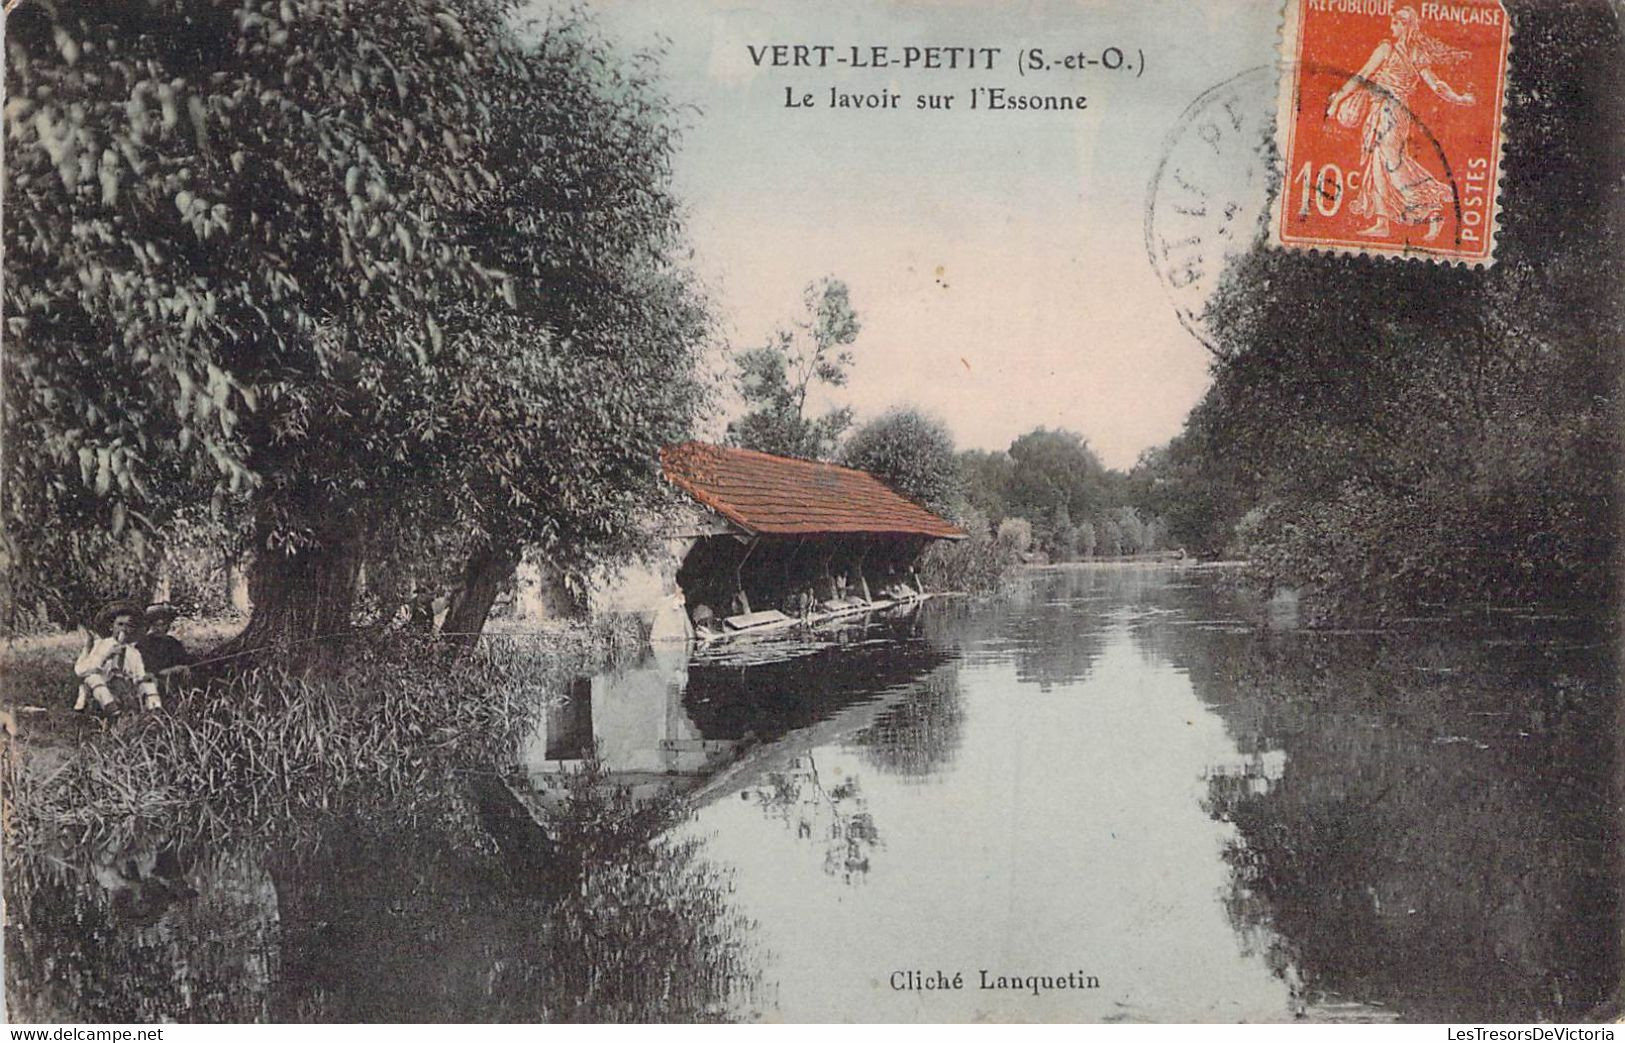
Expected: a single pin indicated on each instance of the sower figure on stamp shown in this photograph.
(111, 667)
(1393, 185)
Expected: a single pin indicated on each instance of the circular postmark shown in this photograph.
(1209, 199)
(1218, 186)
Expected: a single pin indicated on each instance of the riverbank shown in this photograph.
(262, 742)
(1448, 784)
(37, 684)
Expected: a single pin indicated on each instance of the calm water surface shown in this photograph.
(1128, 775)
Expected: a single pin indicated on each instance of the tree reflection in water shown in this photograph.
(1438, 841)
(888, 687)
(144, 934)
(918, 737)
(834, 815)
(405, 907)
(1051, 649)
(1416, 821)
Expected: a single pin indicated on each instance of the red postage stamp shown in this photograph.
(1389, 126)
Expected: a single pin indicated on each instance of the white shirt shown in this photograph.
(95, 660)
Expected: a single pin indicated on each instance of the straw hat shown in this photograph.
(161, 612)
(102, 621)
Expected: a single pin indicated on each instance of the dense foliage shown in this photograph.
(1199, 493)
(268, 743)
(774, 379)
(1416, 433)
(982, 561)
(355, 273)
(911, 452)
(1076, 506)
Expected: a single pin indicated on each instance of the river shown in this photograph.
(1115, 794)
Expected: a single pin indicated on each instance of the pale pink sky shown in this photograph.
(997, 260)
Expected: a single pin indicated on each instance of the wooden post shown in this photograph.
(739, 582)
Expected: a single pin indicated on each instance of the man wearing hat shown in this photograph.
(112, 664)
(160, 650)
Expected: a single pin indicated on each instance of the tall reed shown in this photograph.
(263, 742)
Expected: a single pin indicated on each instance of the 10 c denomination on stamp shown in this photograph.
(1389, 127)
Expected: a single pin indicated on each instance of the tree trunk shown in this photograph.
(302, 602)
(487, 570)
(237, 570)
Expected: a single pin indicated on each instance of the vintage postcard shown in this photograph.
(902, 511)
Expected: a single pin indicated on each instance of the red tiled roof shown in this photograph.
(778, 496)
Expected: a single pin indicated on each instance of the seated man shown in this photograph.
(112, 666)
(163, 654)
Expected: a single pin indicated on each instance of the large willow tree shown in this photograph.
(371, 277)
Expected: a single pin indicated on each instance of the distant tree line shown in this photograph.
(1077, 507)
(1061, 500)
(1048, 493)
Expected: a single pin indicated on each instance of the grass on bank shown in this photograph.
(264, 742)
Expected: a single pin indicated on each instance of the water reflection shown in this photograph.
(633, 722)
(671, 725)
(770, 696)
(1437, 843)
(1358, 813)
(1053, 627)
(832, 814)
(885, 684)
(1130, 773)
(405, 907)
(918, 736)
(146, 933)
(1061, 831)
